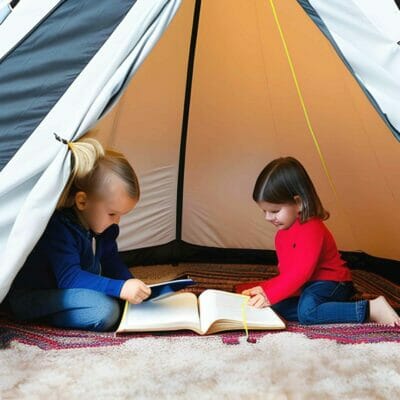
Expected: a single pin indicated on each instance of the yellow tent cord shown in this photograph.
(303, 105)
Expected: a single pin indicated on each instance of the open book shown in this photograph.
(213, 311)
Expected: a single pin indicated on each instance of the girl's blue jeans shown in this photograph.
(66, 308)
(324, 302)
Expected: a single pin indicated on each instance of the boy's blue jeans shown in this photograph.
(324, 302)
(66, 308)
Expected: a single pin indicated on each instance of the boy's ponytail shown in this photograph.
(85, 155)
(91, 168)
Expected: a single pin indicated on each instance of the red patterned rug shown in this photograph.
(224, 277)
(48, 338)
(341, 333)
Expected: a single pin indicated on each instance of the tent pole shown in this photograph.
(185, 120)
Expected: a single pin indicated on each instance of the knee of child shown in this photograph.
(107, 313)
(306, 316)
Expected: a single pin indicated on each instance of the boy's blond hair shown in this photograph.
(92, 167)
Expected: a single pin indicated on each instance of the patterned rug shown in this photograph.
(224, 277)
(48, 338)
(341, 333)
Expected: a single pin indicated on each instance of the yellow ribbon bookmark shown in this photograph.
(244, 316)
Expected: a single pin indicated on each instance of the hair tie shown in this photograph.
(62, 140)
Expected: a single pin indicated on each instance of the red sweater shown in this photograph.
(306, 252)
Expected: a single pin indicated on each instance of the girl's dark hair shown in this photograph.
(283, 179)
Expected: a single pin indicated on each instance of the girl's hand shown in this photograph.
(135, 291)
(258, 298)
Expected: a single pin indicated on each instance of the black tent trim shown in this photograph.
(178, 251)
(185, 119)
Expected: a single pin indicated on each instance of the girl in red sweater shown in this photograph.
(314, 284)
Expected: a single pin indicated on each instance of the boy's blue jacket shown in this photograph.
(63, 258)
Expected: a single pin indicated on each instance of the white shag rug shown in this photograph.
(277, 367)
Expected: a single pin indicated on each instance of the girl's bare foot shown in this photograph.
(381, 311)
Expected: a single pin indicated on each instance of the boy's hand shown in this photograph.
(135, 291)
(258, 298)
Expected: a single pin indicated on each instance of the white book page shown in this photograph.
(179, 311)
(217, 305)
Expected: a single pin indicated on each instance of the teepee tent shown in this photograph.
(217, 99)
(229, 86)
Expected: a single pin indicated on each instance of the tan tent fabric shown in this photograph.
(244, 112)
